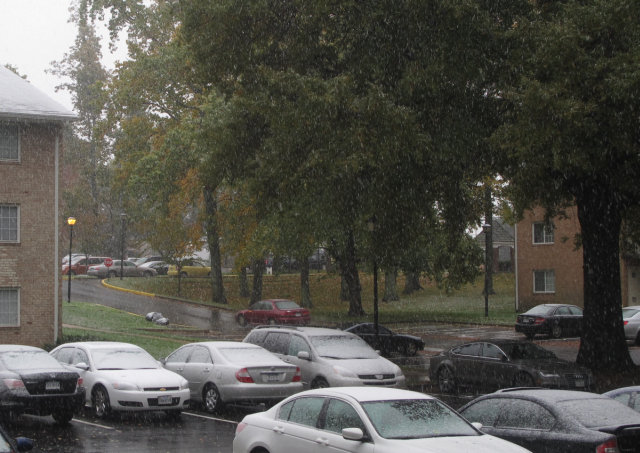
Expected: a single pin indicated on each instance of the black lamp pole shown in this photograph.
(71, 221)
(487, 272)
(123, 218)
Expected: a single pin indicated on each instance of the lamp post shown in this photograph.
(486, 228)
(123, 218)
(71, 221)
(372, 227)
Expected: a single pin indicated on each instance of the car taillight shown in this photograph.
(297, 377)
(610, 446)
(80, 382)
(13, 384)
(538, 320)
(240, 427)
(243, 376)
(624, 323)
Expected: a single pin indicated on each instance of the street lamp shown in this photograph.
(71, 221)
(486, 228)
(371, 224)
(123, 218)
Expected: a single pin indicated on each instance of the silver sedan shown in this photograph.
(631, 319)
(221, 372)
(129, 269)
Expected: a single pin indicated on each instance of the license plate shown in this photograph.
(271, 378)
(579, 382)
(52, 385)
(163, 400)
(298, 315)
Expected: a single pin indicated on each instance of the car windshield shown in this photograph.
(343, 347)
(526, 351)
(539, 310)
(416, 419)
(123, 359)
(629, 312)
(286, 305)
(28, 360)
(599, 412)
(248, 356)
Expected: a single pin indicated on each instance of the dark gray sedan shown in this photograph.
(505, 363)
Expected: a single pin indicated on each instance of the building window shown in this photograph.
(9, 307)
(542, 233)
(544, 281)
(9, 217)
(9, 143)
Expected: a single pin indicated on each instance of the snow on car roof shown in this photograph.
(369, 393)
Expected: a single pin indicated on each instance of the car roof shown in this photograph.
(632, 388)
(227, 344)
(364, 393)
(550, 396)
(310, 331)
(17, 347)
(103, 344)
(634, 307)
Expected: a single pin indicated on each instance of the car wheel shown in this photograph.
(556, 330)
(183, 275)
(446, 380)
(638, 339)
(211, 398)
(272, 322)
(410, 349)
(523, 379)
(319, 383)
(72, 273)
(241, 320)
(529, 335)
(113, 274)
(101, 404)
(63, 416)
(147, 274)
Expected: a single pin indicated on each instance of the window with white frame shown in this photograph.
(9, 307)
(542, 233)
(9, 221)
(544, 281)
(9, 143)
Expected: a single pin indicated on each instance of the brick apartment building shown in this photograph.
(549, 266)
(30, 153)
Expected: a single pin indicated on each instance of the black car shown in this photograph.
(33, 382)
(557, 421)
(387, 342)
(555, 320)
(505, 363)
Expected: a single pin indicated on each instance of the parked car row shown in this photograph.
(117, 267)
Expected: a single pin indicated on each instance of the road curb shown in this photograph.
(132, 291)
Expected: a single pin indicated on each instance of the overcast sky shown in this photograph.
(33, 33)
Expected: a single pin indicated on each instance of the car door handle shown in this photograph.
(278, 429)
(179, 369)
(322, 441)
(206, 370)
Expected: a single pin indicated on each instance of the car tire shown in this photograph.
(410, 349)
(211, 399)
(112, 274)
(523, 379)
(446, 380)
(272, 322)
(63, 417)
(529, 335)
(100, 401)
(556, 330)
(638, 339)
(183, 275)
(147, 274)
(241, 320)
(319, 383)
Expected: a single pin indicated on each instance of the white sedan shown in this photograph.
(124, 377)
(363, 420)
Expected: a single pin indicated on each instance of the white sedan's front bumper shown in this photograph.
(136, 400)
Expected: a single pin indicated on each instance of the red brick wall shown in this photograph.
(30, 264)
(560, 256)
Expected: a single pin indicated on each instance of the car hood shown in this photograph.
(145, 378)
(366, 366)
(458, 444)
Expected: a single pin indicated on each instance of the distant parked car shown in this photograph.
(80, 264)
(631, 319)
(387, 341)
(505, 363)
(124, 377)
(221, 372)
(557, 421)
(33, 382)
(159, 266)
(190, 268)
(146, 259)
(555, 320)
(274, 311)
(129, 269)
(328, 357)
(629, 396)
(363, 420)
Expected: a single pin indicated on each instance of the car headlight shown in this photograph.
(184, 384)
(548, 376)
(125, 386)
(344, 372)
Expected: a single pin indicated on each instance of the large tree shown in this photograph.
(572, 138)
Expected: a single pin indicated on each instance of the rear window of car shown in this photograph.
(286, 305)
(247, 355)
(629, 313)
(593, 413)
(539, 310)
(28, 360)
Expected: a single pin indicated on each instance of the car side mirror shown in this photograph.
(304, 355)
(477, 425)
(352, 434)
(82, 366)
(505, 358)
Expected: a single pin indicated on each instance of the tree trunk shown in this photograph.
(349, 271)
(602, 344)
(390, 285)
(344, 288)
(305, 290)
(244, 283)
(411, 283)
(213, 239)
(256, 291)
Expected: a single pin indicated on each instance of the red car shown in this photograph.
(80, 264)
(274, 311)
